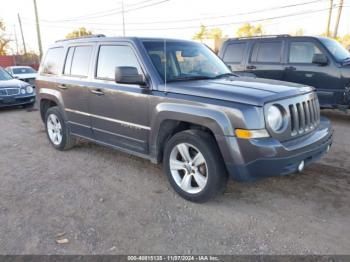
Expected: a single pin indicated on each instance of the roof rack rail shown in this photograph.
(261, 36)
(81, 37)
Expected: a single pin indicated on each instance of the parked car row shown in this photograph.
(175, 102)
(314, 61)
(14, 92)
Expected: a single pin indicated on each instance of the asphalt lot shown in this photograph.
(107, 202)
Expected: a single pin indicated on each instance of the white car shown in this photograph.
(24, 73)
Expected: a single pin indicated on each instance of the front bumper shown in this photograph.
(17, 100)
(258, 158)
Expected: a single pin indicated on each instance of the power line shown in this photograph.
(208, 17)
(212, 25)
(111, 12)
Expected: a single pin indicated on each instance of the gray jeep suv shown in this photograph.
(176, 102)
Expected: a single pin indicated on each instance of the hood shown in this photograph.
(12, 83)
(247, 90)
(25, 76)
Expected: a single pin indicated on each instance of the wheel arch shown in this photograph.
(173, 118)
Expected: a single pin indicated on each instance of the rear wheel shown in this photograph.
(57, 130)
(194, 166)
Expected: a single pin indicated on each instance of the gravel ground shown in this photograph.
(107, 202)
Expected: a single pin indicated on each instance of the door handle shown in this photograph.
(251, 67)
(98, 92)
(290, 68)
(62, 86)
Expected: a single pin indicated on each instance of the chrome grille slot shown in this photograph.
(304, 116)
(9, 91)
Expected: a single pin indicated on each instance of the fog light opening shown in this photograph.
(301, 166)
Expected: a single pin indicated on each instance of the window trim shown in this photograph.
(98, 48)
(66, 57)
(250, 61)
(303, 41)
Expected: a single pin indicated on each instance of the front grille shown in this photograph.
(304, 116)
(9, 91)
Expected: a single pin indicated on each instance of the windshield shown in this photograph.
(337, 50)
(23, 70)
(4, 75)
(184, 61)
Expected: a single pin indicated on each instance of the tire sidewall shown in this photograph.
(215, 172)
(55, 111)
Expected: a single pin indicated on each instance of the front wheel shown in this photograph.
(57, 131)
(194, 166)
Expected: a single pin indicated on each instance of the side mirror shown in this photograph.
(129, 75)
(320, 59)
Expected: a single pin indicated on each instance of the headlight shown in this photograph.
(23, 91)
(274, 118)
(29, 89)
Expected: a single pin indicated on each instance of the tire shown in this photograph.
(211, 173)
(65, 141)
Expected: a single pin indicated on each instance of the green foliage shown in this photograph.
(204, 33)
(82, 31)
(4, 40)
(248, 30)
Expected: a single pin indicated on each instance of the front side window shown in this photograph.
(53, 61)
(112, 56)
(267, 52)
(302, 52)
(234, 53)
(177, 61)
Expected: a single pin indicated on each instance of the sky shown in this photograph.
(166, 18)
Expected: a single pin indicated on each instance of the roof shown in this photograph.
(19, 66)
(100, 38)
(272, 37)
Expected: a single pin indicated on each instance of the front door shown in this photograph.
(300, 69)
(119, 112)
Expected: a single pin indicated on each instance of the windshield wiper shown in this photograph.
(224, 75)
(189, 78)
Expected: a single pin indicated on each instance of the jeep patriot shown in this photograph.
(175, 102)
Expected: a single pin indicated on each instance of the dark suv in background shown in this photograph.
(176, 102)
(314, 61)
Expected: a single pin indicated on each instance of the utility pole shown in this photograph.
(16, 40)
(123, 14)
(38, 29)
(20, 27)
(340, 8)
(329, 17)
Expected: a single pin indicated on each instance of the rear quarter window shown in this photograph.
(234, 53)
(53, 61)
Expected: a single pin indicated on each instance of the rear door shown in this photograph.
(234, 55)
(119, 112)
(73, 86)
(300, 69)
(266, 59)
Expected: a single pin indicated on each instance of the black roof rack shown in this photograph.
(81, 37)
(261, 36)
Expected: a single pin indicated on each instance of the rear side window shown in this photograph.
(267, 52)
(234, 53)
(111, 56)
(78, 61)
(53, 61)
(302, 52)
